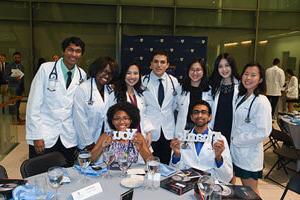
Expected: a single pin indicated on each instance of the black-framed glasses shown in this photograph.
(203, 112)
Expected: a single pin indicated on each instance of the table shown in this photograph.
(112, 188)
(294, 130)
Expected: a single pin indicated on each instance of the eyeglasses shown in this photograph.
(197, 112)
(120, 119)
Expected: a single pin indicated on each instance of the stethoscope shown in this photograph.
(174, 93)
(90, 101)
(53, 76)
(247, 119)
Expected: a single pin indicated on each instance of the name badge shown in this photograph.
(124, 135)
(87, 192)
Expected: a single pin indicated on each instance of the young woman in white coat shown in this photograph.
(252, 124)
(128, 89)
(92, 100)
(194, 87)
(224, 90)
(291, 89)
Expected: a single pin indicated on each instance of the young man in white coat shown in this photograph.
(49, 121)
(160, 94)
(211, 154)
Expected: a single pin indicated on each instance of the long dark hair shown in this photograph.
(215, 78)
(121, 86)
(261, 88)
(186, 85)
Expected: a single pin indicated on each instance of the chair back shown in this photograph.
(282, 137)
(41, 164)
(293, 184)
(3, 173)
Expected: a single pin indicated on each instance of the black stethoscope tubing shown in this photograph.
(247, 119)
(53, 74)
(148, 79)
(90, 101)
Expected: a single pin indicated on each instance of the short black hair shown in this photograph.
(261, 88)
(276, 61)
(17, 53)
(73, 40)
(132, 111)
(100, 63)
(160, 52)
(201, 102)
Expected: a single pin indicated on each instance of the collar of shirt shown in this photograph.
(204, 133)
(154, 77)
(65, 70)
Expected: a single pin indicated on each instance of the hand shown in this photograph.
(39, 146)
(175, 146)
(18, 78)
(219, 148)
(107, 142)
(148, 138)
(138, 141)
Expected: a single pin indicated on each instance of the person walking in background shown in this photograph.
(291, 89)
(224, 82)
(275, 80)
(16, 83)
(252, 124)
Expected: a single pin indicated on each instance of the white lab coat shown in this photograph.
(88, 119)
(160, 117)
(247, 138)
(275, 80)
(214, 105)
(292, 88)
(205, 161)
(183, 102)
(49, 113)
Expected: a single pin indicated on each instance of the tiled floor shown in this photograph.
(268, 190)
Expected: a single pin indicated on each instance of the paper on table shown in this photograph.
(16, 73)
(136, 171)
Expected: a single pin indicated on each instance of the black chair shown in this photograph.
(41, 164)
(286, 153)
(293, 185)
(3, 173)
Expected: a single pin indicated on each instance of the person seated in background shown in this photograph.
(291, 89)
(211, 154)
(121, 117)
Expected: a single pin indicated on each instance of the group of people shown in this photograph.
(281, 84)
(69, 110)
(12, 84)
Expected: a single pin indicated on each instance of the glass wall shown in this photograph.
(261, 29)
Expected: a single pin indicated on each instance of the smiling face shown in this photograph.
(132, 75)
(159, 64)
(196, 72)
(251, 79)
(224, 69)
(121, 120)
(200, 115)
(104, 76)
(72, 55)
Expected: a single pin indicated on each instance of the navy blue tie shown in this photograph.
(69, 79)
(161, 92)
